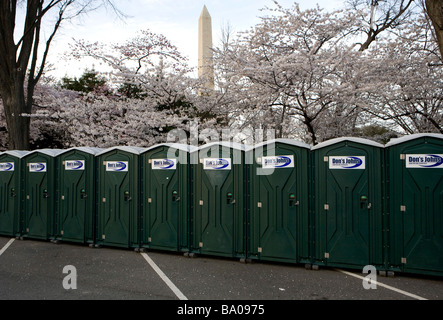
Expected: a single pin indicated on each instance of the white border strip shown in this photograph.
(383, 285)
(6, 246)
(174, 289)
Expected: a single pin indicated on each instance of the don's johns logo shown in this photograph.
(7, 166)
(277, 162)
(74, 165)
(164, 164)
(117, 166)
(217, 164)
(347, 162)
(37, 167)
(424, 161)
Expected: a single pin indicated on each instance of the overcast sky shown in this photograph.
(176, 19)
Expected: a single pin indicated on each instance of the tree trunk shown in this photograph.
(434, 9)
(13, 67)
(17, 118)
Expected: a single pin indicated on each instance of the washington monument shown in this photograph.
(205, 62)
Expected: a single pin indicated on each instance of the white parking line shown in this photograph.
(384, 285)
(6, 246)
(174, 289)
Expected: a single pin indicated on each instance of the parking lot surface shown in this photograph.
(37, 270)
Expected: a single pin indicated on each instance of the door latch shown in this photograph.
(175, 197)
(363, 201)
(229, 198)
(292, 201)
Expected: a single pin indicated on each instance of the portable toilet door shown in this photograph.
(348, 184)
(415, 179)
(165, 197)
(117, 197)
(39, 192)
(11, 197)
(279, 207)
(75, 214)
(219, 205)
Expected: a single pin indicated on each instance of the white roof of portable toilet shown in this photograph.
(49, 152)
(351, 139)
(178, 146)
(413, 137)
(16, 153)
(134, 150)
(89, 150)
(285, 141)
(233, 145)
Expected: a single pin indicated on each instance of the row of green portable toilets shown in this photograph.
(347, 202)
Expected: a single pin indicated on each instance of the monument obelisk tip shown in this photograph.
(205, 63)
(205, 11)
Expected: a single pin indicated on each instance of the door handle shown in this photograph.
(229, 198)
(175, 196)
(363, 202)
(292, 201)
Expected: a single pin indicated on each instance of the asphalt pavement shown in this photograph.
(39, 270)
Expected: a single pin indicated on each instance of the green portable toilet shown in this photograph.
(11, 196)
(279, 201)
(165, 197)
(415, 203)
(348, 199)
(39, 192)
(75, 204)
(117, 197)
(219, 205)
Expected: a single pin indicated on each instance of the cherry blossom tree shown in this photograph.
(150, 67)
(22, 65)
(293, 61)
(309, 75)
(380, 16)
(408, 81)
(372, 69)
